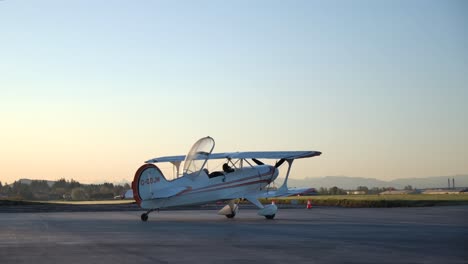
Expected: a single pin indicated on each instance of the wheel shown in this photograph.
(270, 216)
(231, 215)
(144, 217)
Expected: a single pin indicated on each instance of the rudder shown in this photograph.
(148, 179)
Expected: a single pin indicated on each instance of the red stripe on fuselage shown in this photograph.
(227, 187)
(271, 171)
(211, 188)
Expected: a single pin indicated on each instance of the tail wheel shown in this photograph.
(144, 217)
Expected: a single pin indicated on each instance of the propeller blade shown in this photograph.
(257, 161)
(281, 161)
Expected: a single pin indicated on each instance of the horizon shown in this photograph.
(90, 90)
(276, 181)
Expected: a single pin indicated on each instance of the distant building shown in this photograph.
(399, 192)
(355, 192)
(446, 191)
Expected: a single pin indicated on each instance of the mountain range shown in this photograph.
(350, 183)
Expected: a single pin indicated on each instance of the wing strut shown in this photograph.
(284, 187)
(255, 201)
(176, 166)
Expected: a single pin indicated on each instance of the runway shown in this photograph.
(319, 235)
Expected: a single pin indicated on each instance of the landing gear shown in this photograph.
(144, 217)
(268, 211)
(270, 216)
(230, 210)
(231, 215)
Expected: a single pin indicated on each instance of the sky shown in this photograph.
(89, 90)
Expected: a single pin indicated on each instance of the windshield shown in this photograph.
(198, 154)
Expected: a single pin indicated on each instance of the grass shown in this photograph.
(402, 200)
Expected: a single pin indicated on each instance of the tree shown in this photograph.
(323, 191)
(21, 191)
(61, 183)
(59, 192)
(6, 189)
(73, 184)
(363, 189)
(40, 189)
(408, 187)
(336, 191)
(78, 193)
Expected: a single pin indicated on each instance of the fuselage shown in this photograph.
(204, 188)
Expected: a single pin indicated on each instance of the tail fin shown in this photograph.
(147, 181)
(283, 190)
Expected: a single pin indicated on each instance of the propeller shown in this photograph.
(257, 161)
(279, 163)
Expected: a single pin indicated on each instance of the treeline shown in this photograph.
(362, 189)
(331, 191)
(61, 190)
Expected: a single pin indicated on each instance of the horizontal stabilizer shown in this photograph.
(128, 194)
(288, 192)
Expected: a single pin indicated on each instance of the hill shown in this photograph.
(350, 183)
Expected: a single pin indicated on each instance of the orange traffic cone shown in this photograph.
(309, 204)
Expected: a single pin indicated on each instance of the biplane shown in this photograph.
(243, 176)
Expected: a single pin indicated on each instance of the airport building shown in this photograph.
(446, 191)
(400, 192)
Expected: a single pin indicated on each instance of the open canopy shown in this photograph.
(198, 155)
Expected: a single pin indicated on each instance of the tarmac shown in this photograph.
(319, 235)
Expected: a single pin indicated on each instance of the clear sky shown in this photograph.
(91, 89)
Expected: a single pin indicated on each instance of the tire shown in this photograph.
(231, 215)
(144, 217)
(270, 216)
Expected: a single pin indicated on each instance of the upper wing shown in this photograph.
(167, 159)
(245, 155)
(273, 154)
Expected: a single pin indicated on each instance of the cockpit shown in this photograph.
(227, 168)
(198, 155)
(195, 163)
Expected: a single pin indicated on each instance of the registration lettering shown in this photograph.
(151, 180)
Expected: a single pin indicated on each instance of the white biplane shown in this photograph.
(239, 179)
